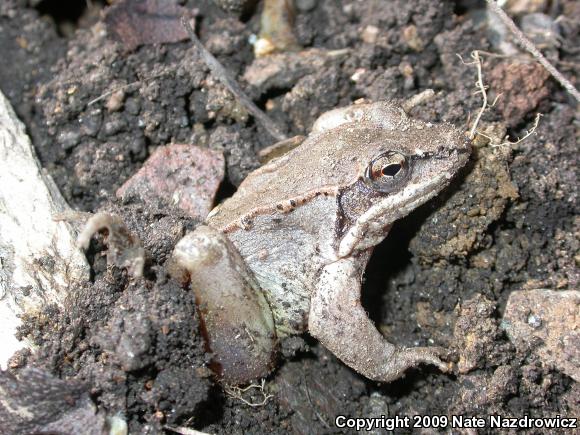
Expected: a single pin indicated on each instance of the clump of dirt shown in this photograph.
(96, 112)
(135, 344)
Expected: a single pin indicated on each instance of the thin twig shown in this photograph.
(418, 99)
(526, 59)
(322, 420)
(529, 45)
(223, 76)
(481, 90)
(112, 91)
(182, 430)
(507, 143)
(120, 88)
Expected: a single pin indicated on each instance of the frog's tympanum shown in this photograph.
(286, 253)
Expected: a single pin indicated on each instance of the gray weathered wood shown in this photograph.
(39, 260)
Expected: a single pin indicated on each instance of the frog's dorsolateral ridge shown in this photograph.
(286, 253)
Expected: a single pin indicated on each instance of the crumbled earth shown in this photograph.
(544, 321)
(96, 111)
(42, 403)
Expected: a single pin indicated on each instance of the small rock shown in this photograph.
(521, 87)
(115, 101)
(132, 106)
(412, 38)
(546, 322)
(358, 73)
(115, 125)
(134, 343)
(276, 29)
(69, 138)
(516, 7)
(90, 124)
(369, 34)
(283, 70)
(305, 5)
(145, 22)
(185, 176)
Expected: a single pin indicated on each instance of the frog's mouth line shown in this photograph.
(445, 153)
(369, 228)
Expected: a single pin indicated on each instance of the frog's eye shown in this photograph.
(387, 171)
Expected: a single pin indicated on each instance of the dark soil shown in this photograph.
(442, 276)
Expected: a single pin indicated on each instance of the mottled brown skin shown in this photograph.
(289, 248)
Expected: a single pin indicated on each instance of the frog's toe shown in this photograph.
(426, 355)
(436, 356)
(404, 358)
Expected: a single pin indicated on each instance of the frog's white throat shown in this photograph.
(371, 227)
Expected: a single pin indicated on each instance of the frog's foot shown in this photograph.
(339, 321)
(235, 318)
(125, 248)
(406, 357)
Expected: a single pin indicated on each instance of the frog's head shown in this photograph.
(401, 164)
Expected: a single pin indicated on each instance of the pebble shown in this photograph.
(546, 323)
(185, 176)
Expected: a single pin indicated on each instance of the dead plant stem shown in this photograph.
(529, 45)
(224, 77)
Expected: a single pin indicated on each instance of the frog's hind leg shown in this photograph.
(235, 318)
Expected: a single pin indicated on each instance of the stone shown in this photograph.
(546, 323)
(184, 176)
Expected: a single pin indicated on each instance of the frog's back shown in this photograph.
(334, 155)
(289, 181)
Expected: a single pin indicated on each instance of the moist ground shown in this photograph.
(442, 276)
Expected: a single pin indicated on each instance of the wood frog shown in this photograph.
(286, 253)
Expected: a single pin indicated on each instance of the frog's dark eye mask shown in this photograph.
(388, 172)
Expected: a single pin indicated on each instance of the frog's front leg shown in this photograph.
(338, 320)
(235, 318)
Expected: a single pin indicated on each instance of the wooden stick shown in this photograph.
(529, 45)
(223, 76)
